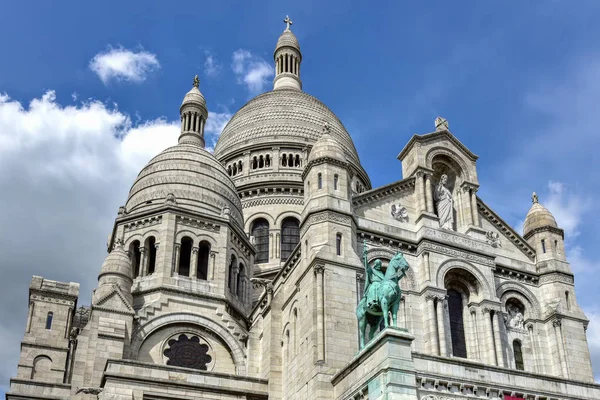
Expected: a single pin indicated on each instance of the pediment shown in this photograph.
(390, 204)
(114, 301)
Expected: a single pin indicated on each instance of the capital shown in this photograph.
(319, 269)
(556, 322)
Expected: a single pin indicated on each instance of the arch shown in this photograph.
(335, 181)
(145, 330)
(183, 233)
(284, 161)
(486, 291)
(42, 364)
(235, 169)
(385, 253)
(229, 170)
(260, 232)
(267, 161)
(297, 163)
(286, 214)
(290, 236)
(254, 163)
(439, 150)
(49, 318)
(258, 215)
(202, 262)
(509, 289)
(135, 256)
(240, 166)
(231, 273)
(338, 244)
(261, 162)
(457, 323)
(185, 256)
(150, 245)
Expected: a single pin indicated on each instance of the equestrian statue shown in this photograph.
(381, 295)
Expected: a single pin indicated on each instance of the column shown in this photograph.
(197, 124)
(320, 272)
(420, 192)
(277, 245)
(426, 264)
(177, 255)
(194, 263)
(157, 257)
(474, 207)
(498, 339)
(201, 131)
(433, 342)
(534, 360)
(143, 262)
(460, 211)
(489, 337)
(271, 246)
(474, 334)
(69, 320)
(402, 313)
(183, 123)
(561, 347)
(441, 323)
(429, 193)
(30, 316)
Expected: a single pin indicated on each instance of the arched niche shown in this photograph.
(204, 324)
(385, 255)
(444, 158)
(508, 290)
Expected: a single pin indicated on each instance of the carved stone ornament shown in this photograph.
(514, 319)
(226, 211)
(188, 352)
(122, 211)
(89, 390)
(170, 199)
(441, 124)
(267, 284)
(493, 238)
(444, 203)
(399, 212)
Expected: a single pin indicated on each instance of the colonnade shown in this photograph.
(287, 63)
(192, 121)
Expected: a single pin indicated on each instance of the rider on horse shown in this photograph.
(374, 275)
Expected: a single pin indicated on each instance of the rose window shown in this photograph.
(187, 352)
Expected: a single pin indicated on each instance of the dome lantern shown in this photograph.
(287, 58)
(194, 114)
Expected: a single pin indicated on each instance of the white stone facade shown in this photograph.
(285, 202)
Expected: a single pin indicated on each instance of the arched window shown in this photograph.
(151, 251)
(260, 231)
(335, 182)
(320, 181)
(134, 251)
(185, 256)
(297, 160)
(49, 318)
(254, 163)
(240, 166)
(268, 161)
(290, 236)
(234, 169)
(41, 366)
(229, 170)
(457, 327)
(338, 244)
(543, 246)
(231, 282)
(284, 161)
(518, 350)
(290, 160)
(202, 265)
(568, 301)
(261, 162)
(241, 282)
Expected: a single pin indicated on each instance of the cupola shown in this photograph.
(538, 218)
(193, 116)
(287, 58)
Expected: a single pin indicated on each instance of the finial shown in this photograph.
(288, 22)
(534, 198)
(441, 124)
(196, 81)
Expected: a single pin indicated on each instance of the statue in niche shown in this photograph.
(444, 203)
(515, 317)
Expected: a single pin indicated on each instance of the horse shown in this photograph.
(388, 300)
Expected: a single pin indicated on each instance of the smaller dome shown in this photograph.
(287, 39)
(327, 146)
(194, 97)
(538, 217)
(117, 263)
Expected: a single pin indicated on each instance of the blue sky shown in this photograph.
(89, 92)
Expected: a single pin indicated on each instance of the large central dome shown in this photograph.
(282, 117)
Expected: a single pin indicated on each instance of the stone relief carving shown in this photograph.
(493, 239)
(170, 199)
(444, 203)
(399, 213)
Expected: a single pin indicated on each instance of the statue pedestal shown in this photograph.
(384, 369)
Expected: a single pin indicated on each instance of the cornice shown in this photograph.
(383, 191)
(324, 160)
(425, 138)
(547, 228)
(516, 275)
(506, 230)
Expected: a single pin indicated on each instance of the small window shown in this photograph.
(254, 163)
(268, 161)
(518, 355)
(335, 182)
(261, 162)
(239, 166)
(568, 301)
(338, 244)
(297, 160)
(556, 247)
(543, 246)
(49, 320)
(320, 180)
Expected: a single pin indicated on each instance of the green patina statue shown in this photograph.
(381, 295)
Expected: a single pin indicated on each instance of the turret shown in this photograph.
(287, 58)
(116, 273)
(543, 234)
(193, 116)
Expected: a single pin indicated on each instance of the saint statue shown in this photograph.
(443, 198)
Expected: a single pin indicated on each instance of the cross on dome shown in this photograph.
(288, 22)
(196, 81)
(534, 198)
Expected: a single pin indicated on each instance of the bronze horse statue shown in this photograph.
(382, 296)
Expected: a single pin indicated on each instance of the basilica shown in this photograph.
(237, 275)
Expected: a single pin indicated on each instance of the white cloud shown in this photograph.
(211, 66)
(121, 64)
(251, 70)
(567, 206)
